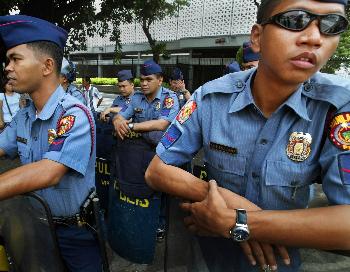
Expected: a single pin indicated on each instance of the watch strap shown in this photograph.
(241, 216)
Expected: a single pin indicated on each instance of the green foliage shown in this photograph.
(75, 16)
(239, 56)
(99, 81)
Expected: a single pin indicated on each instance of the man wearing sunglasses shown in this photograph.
(267, 135)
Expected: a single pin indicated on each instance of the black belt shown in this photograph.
(67, 221)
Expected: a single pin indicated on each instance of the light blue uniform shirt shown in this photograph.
(28, 136)
(73, 91)
(164, 106)
(246, 152)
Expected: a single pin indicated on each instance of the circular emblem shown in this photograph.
(339, 132)
(299, 146)
(168, 102)
(186, 111)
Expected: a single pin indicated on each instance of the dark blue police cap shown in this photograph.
(124, 75)
(232, 67)
(150, 67)
(20, 29)
(248, 53)
(177, 74)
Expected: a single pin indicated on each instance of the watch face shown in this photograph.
(240, 234)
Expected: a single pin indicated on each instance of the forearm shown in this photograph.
(151, 125)
(175, 181)
(30, 177)
(114, 109)
(322, 228)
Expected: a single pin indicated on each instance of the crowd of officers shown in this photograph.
(267, 134)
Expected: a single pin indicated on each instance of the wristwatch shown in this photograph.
(131, 126)
(240, 231)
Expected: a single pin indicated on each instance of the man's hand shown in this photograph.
(103, 116)
(121, 127)
(212, 217)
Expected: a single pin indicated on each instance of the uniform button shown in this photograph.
(255, 175)
(308, 87)
(35, 138)
(62, 100)
(239, 84)
(263, 141)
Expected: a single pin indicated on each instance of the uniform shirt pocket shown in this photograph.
(227, 169)
(287, 184)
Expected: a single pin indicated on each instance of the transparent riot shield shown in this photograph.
(28, 233)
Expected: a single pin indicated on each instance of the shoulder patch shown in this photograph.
(170, 136)
(65, 124)
(186, 111)
(339, 131)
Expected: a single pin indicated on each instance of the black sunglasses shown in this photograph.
(299, 19)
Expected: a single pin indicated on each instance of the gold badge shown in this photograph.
(157, 106)
(65, 124)
(52, 135)
(169, 102)
(299, 146)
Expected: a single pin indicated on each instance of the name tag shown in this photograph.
(223, 148)
(21, 140)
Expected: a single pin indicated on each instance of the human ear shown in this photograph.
(255, 37)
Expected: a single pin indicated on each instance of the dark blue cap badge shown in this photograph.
(124, 75)
(21, 29)
(150, 67)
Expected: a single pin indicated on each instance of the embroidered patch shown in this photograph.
(168, 102)
(223, 148)
(52, 135)
(339, 131)
(21, 140)
(170, 136)
(65, 124)
(157, 106)
(57, 144)
(186, 111)
(344, 168)
(299, 146)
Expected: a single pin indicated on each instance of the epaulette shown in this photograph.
(329, 88)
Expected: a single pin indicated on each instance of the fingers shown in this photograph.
(258, 254)
(282, 251)
(186, 207)
(247, 250)
(269, 255)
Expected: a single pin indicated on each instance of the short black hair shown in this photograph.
(87, 79)
(265, 9)
(131, 81)
(51, 49)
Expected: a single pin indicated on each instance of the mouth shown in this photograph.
(10, 79)
(305, 60)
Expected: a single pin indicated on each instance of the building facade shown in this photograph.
(201, 39)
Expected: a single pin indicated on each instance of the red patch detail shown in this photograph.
(186, 111)
(65, 124)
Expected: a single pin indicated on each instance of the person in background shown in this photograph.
(67, 76)
(91, 94)
(10, 103)
(177, 85)
(250, 57)
(126, 90)
(232, 67)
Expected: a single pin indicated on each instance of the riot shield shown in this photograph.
(28, 232)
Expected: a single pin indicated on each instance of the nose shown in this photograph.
(311, 36)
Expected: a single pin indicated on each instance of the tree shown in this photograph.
(145, 12)
(75, 16)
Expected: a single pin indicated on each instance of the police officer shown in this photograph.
(232, 67)
(177, 85)
(134, 211)
(49, 135)
(68, 75)
(250, 58)
(263, 137)
(126, 89)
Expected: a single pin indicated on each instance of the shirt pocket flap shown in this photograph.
(228, 163)
(281, 173)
